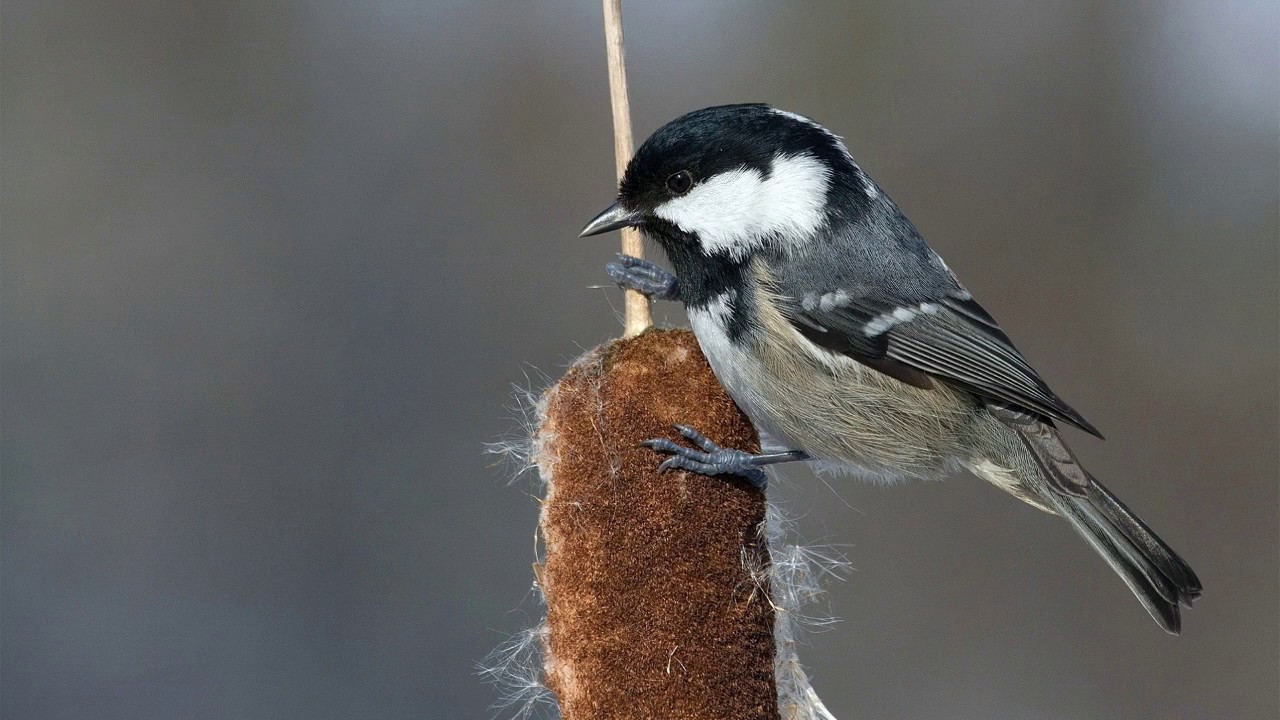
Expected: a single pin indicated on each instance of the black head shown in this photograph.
(730, 179)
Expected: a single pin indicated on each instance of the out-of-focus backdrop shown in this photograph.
(269, 270)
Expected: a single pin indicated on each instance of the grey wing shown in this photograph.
(950, 337)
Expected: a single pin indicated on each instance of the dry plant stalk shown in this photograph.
(636, 316)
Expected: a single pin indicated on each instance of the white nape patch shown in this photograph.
(881, 323)
(739, 211)
(868, 185)
(814, 124)
(797, 117)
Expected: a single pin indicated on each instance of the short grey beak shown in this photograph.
(614, 217)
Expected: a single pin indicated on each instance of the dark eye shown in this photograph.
(680, 182)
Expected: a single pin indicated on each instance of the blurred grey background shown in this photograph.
(270, 269)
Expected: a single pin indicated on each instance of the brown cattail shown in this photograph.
(669, 594)
(653, 610)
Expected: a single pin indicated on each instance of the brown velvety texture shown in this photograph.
(651, 611)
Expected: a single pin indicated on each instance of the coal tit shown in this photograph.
(846, 339)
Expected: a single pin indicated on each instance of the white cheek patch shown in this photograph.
(740, 210)
(721, 210)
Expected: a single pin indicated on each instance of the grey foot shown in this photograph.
(715, 460)
(643, 276)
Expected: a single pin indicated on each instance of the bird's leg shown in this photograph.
(643, 276)
(715, 460)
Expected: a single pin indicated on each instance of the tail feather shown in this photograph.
(1147, 583)
(1152, 547)
(1160, 579)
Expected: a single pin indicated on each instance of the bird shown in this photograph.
(846, 339)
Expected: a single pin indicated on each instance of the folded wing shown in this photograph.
(950, 338)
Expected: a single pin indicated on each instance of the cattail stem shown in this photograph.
(636, 316)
